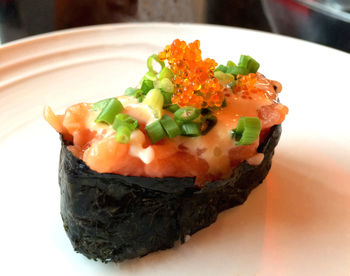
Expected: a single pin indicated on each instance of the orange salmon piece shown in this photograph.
(109, 156)
(272, 114)
(240, 153)
(179, 164)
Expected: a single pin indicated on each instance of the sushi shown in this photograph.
(140, 171)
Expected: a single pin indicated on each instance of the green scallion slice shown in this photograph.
(155, 131)
(167, 97)
(247, 131)
(172, 107)
(230, 63)
(100, 104)
(150, 76)
(167, 89)
(125, 120)
(156, 84)
(123, 134)
(146, 86)
(139, 95)
(155, 100)
(224, 78)
(221, 68)
(131, 91)
(108, 113)
(154, 58)
(237, 70)
(248, 62)
(170, 126)
(187, 113)
(166, 73)
(166, 85)
(191, 129)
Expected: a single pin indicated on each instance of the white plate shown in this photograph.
(296, 223)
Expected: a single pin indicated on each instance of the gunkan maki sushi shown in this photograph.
(140, 171)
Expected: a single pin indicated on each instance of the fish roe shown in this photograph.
(194, 81)
(255, 85)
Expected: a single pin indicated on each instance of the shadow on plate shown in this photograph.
(299, 199)
(307, 215)
(303, 191)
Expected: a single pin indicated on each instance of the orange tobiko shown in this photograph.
(194, 81)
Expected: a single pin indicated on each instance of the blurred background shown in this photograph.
(322, 21)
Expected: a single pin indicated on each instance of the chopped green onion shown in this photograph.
(150, 63)
(123, 134)
(155, 131)
(245, 66)
(100, 104)
(191, 129)
(187, 113)
(108, 113)
(248, 62)
(126, 120)
(146, 86)
(156, 84)
(124, 124)
(167, 97)
(150, 76)
(155, 100)
(141, 81)
(230, 63)
(247, 131)
(224, 78)
(140, 99)
(172, 108)
(166, 73)
(221, 68)
(131, 91)
(139, 95)
(237, 70)
(208, 122)
(170, 126)
(166, 85)
(167, 88)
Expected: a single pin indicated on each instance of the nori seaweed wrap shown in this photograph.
(113, 217)
(142, 170)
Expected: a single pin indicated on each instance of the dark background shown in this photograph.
(21, 18)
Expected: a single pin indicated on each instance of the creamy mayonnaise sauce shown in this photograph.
(141, 112)
(137, 139)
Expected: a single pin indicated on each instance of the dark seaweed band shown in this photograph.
(112, 217)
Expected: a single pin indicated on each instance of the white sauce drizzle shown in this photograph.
(136, 149)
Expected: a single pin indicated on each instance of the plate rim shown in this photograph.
(94, 28)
